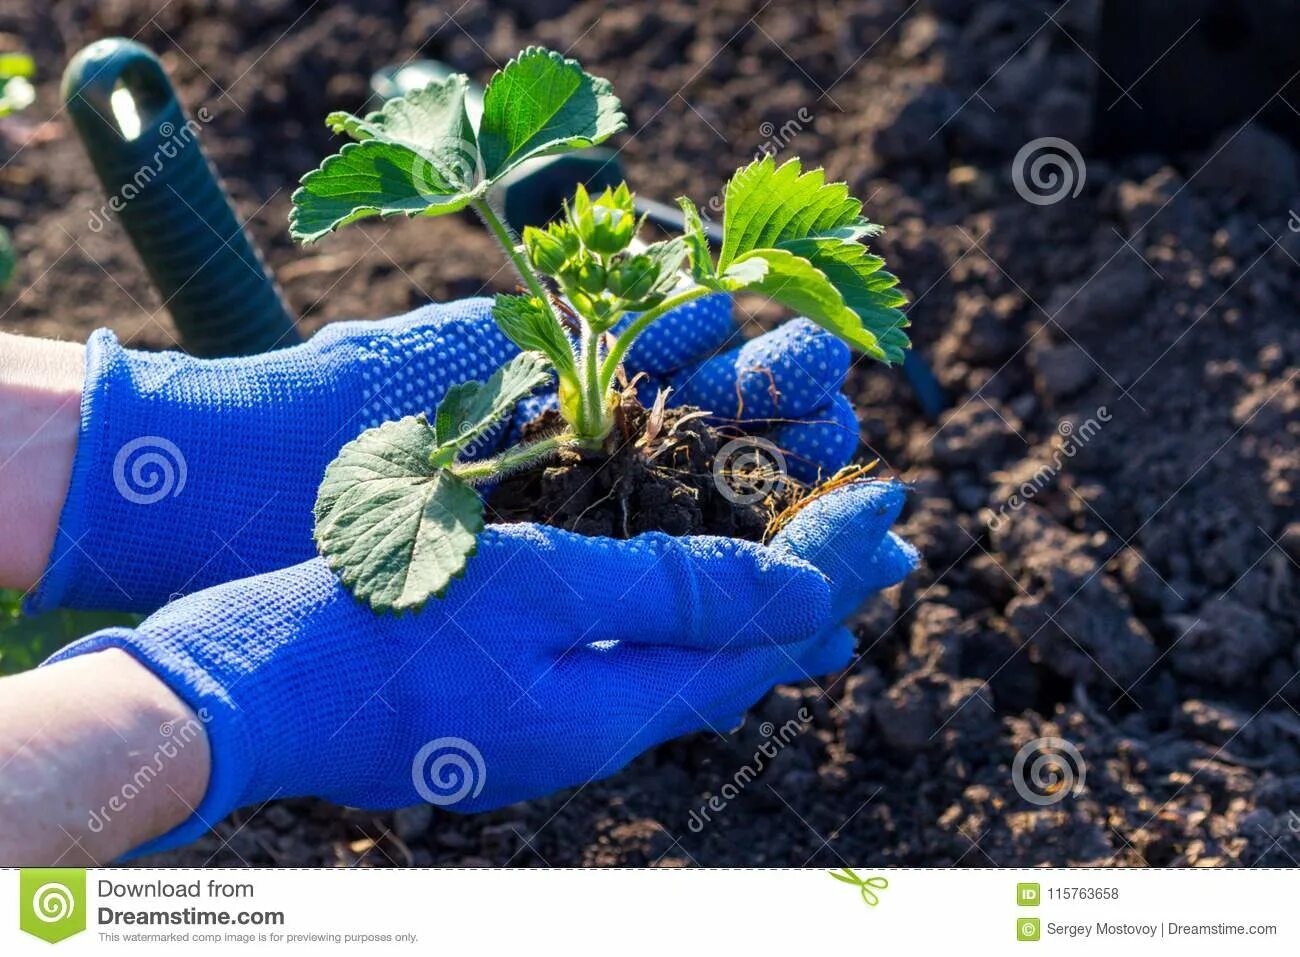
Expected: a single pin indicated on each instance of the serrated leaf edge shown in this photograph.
(603, 85)
(349, 578)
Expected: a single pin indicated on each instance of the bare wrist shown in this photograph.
(40, 416)
(98, 756)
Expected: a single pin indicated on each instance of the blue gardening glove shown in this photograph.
(783, 386)
(553, 662)
(834, 533)
(193, 472)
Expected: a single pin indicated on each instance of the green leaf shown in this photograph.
(373, 178)
(471, 408)
(417, 156)
(420, 118)
(394, 527)
(895, 341)
(431, 121)
(17, 64)
(742, 274)
(8, 258)
(540, 103)
(767, 205)
(669, 255)
(867, 288)
(808, 234)
(697, 240)
(799, 285)
(528, 325)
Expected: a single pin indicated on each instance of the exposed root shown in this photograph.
(849, 475)
(658, 473)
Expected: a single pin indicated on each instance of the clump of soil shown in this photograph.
(655, 474)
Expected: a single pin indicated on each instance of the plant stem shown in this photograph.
(507, 240)
(638, 326)
(595, 424)
(511, 459)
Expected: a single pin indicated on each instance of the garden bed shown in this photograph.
(1141, 601)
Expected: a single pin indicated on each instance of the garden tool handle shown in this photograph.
(165, 192)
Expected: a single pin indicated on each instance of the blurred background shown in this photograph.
(1093, 210)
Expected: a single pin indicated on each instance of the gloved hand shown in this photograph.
(783, 386)
(553, 662)
(193, 472)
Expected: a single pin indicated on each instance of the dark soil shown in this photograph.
(655, 474)
(1142, 601)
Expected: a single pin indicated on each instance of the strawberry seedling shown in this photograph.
(398, 511)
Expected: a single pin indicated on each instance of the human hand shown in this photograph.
(782, 386)
(553, 662)
(190, 472)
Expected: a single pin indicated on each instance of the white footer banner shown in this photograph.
(652, 912)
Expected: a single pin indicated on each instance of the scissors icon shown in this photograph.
(867, 887)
